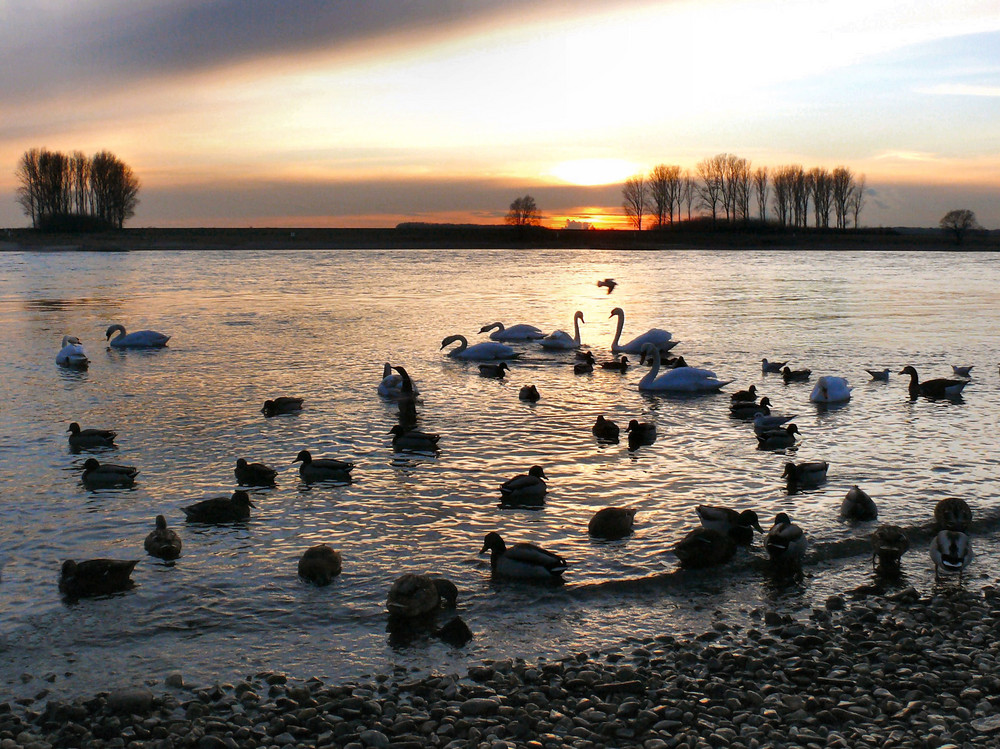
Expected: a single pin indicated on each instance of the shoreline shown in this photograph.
(924, 672)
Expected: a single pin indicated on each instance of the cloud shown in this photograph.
(960, 89)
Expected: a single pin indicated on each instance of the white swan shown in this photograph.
(391, 385)
(72, 354)
(513, 333)
(655, 336)
(138, 339)
(560, 339)
(680, 380)
(486, 351)
(830, 390)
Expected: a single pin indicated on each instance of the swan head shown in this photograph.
(617, 311)
(579, 316)
(488, 328)
(452, 338)
(112, 328)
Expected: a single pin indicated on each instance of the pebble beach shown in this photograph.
(869, 669)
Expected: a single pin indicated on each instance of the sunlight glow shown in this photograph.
(589, 172)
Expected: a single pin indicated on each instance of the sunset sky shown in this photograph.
(334, 113)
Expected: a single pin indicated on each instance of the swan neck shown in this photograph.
(654, 369)
(621, 326)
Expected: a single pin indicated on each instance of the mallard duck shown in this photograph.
(704, 547)
(529, 393)
(739, 526)
(830, 390)
(643, 432)
(805, 474)
(322, 469)
(138, 339)
(934, 389)
(495, 371)
(522, 560)
(413, 439)
(520, 332)
(748, 395)
(618, 365)
(586, 366)
(97, 475)
(283, 404)
(163, 542)
(612, 523)
(90, 437)
(604, 429)
(319, 564)
(524, 489)
(889, 543)
(952, 514)
(230, 509)
(608, 283)
(882, 375)
(962, 371)
(771, 366)
(413, 596)
(766, 422)
(795, 375)
(96, 577)
(748, 409)
(857, 505)
(253, 474)
(778, 438)
(951, 552)
(785, 542)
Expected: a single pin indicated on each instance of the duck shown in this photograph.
(283, 404)
(560, 339)
(586, 366)
(605, 429)
(857, 505)
(413, 440)
(795, 375)
(641, 431)
(106, 475)
(889, 543)
(319, 564)
(529, 393)
(747, 409)
(938, 388)
(745, 396)
(322, 469)
(162, 542)
(777, 439)
(739, 526)
(661, 339)
(680, 380)
(520, 332)
(485, 351)
(412, 596)
(90, 437)
(952, 514)
(71, 354)
(805, 474)
(785, 542)
(391, 384)
(495, 371)
(618, 365)
(881, 375)
(962, 371)
(524, 489)
(768, 367)
(612, 523)
(704, 547)
(253, 474)
(138, 339)
(96, 577)
(522, 560)
(830, 389)
(951, 552)
(230, 509)
(674, 362)
(607, 283)
(764, 422)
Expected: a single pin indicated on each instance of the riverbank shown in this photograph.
(864, 671)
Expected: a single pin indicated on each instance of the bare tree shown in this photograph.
(689, 191)
(523, 212)
(857, 199)
(658, 184)
(760, 184)
(742, 179)
(800, 197)
(821, 186)
(710, 189)
(29, 178)
(959, 222)
(635, 195)
(842, 184)
(784, 189)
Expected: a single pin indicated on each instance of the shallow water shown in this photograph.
(247, 326)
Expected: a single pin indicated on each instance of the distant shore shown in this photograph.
(446, 236)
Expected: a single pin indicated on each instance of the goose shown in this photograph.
(608, 283)
(939, 388)
(795, 375)
(952, 514)
(522, 560)
(560, 339)
(889, 543)
(525, 489)
(739, 526)
(283, 404)
(748, 409)
(962, 371)
(254, 474)
(496, 371)
(830, 390)
(138, 339)
(413, 440)
(618, 365)
(72, 354)
(90, 437)
(771, 366)
(586, 366)
(513, 333)
(785, 541)
(107, 475)
(612, 523)
(529, 393)
(322, 469)
(805, 474)
(857, 505)
(704, 547)
(319, 564)
(745, 396)
(951, 552)
(392, 385)
(96, 577)
(881, 375)
(605, 429)
(413, 596)
(654, 336)
(641, 431)
(163, 542)
(230, 509)
(485, 351)
(765, 422)
(778, 439)
(680, 380)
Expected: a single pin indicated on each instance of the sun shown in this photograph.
(588, 172)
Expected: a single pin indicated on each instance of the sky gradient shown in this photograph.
(330, 113)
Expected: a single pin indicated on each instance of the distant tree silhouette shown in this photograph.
(760, 184)
(635, 197)
(523, 212)
(959, 223)
(857, 200)
(710, 190)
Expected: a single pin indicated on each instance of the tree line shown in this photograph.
(60, 191)
(727, 187)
